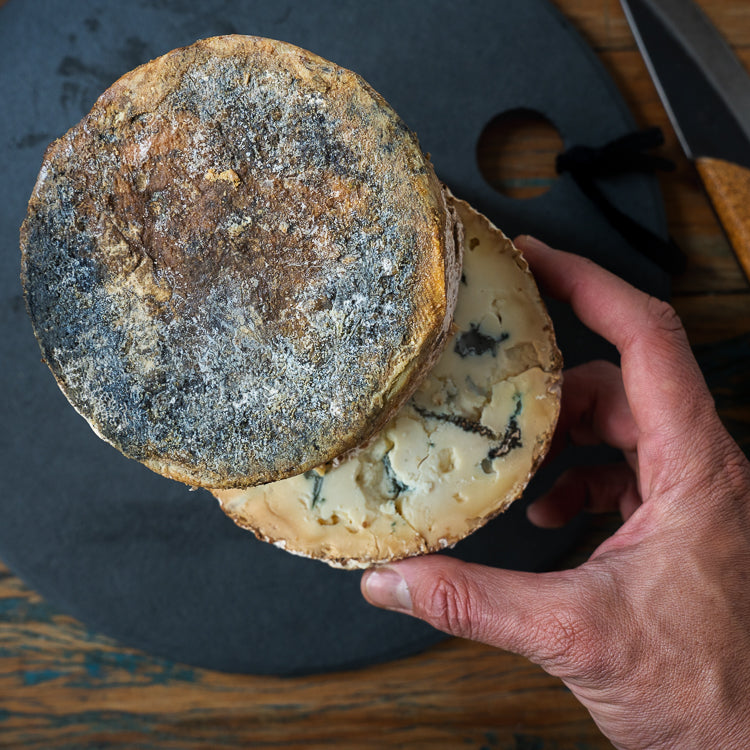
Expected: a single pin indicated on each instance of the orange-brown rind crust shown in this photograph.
(240, 264)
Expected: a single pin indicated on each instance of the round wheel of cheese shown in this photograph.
(240, 264)
(460, 451)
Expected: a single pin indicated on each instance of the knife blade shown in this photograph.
(706, 91)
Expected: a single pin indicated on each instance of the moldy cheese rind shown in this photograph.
(240, 264)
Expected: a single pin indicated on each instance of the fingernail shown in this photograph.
(386, 588)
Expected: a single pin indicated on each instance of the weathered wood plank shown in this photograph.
(603, 24)
(714, 318)
(66, 687)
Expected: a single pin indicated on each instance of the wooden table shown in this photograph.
(62, 686)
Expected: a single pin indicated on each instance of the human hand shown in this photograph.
(652, 633)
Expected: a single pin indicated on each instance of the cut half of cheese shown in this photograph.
(461, 450)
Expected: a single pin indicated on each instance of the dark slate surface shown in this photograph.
(142, 558)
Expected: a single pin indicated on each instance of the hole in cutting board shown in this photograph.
(516, 153)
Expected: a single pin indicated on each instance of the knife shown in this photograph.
(706, 92)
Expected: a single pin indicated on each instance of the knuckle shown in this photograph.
(450, 607)
(727, 474)
(736, 469)
(563, 633)
(574, 645)
(656, 325)
(662, 317)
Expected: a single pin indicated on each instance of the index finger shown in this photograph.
(665, 387)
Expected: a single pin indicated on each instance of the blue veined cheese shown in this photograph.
(461, 450)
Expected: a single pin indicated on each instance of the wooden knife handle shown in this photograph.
(728, 187)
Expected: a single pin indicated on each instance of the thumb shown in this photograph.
(528, 613)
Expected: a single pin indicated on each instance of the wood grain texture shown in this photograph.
(728, 187)
(64, 687)
(516, 153)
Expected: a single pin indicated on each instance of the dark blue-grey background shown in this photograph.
(142, 558)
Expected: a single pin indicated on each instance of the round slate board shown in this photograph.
(143, 559)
